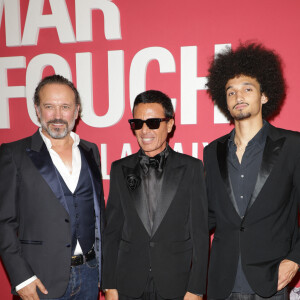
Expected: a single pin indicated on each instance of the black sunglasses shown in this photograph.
(152, 123)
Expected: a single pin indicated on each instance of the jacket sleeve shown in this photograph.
(10, 250)
(211, 214)
(199, 232)
(113, 232)
(294, 254)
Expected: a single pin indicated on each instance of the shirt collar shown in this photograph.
(259, 139)
(48, 143)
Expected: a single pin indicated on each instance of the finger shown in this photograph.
(282, 285)
(41, 287)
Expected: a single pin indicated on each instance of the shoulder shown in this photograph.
(88, 144)
(182, 158)
(18, 145)
(212, 145)
(280, 132)
(126, 161)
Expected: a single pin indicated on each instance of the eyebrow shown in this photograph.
(244, 83)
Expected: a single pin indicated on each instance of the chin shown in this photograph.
(242, 116)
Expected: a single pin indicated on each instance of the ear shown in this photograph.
(77, 111)
(264, 98)
(37, 111)
(170, 125)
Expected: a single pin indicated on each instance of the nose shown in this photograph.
(57, 112)
(145, 128)
(239, 96)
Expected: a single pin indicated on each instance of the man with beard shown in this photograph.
(253, 180)
(51, 202)
(156, 238)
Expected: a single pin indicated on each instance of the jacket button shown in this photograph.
(68, 245)
(67, 221)
(242, 229)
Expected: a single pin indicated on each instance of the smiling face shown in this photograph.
(244, 98)
(152, 141)
(57, 111)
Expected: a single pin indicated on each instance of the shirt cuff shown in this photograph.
(26, 282)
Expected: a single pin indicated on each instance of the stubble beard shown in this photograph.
(242, 116)
(57, 133)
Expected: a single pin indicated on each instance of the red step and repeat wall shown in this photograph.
(113, 50)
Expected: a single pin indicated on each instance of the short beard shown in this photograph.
(242, 116)
(55, 133)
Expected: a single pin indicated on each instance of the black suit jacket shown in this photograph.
(176, 248)
(268, 233)
(35, 232)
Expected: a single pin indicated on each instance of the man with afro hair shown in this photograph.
(253, 180)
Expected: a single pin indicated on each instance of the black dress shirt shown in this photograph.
(152, 178)
(243, 177)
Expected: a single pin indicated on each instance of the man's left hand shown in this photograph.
(190, 296)
(286, 272)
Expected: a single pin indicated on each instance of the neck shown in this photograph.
(246, 129)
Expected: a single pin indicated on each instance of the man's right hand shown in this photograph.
(111, 294)
(29, 292)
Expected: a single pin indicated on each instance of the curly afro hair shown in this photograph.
(252, 60)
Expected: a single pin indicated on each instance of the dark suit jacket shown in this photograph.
(176, 248)
(268, 233)
(34, 222)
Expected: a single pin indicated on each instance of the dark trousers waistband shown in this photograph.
(77, 260)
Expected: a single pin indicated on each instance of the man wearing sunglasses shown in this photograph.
(156, 239)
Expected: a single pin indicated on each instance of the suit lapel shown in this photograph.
(171, 179)
(137, 193)
(94, 173)
(270, 156)
(40, 157)
(222, 150)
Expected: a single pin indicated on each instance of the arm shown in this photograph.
(101, 202)
(10, 249)
(211, 215)
(199, 232)
(113, 232)
(29, 292)
(16, 266)
(289, 266)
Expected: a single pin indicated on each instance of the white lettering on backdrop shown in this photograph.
(60, 19)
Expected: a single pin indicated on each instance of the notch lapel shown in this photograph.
(40, 157)
(171, 179)
(270, 156)
(222, 150)
(138, 196)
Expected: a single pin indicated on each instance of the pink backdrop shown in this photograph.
(113, 50)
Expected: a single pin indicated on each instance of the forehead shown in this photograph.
(242, 80)
(150, 110)
(56, 91)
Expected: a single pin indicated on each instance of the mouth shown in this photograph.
(147, 140)
(240, 106)
(58, 123)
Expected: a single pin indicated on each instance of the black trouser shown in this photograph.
(281, 295)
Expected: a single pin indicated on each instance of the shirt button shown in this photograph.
(242, 197)
(242, 176)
